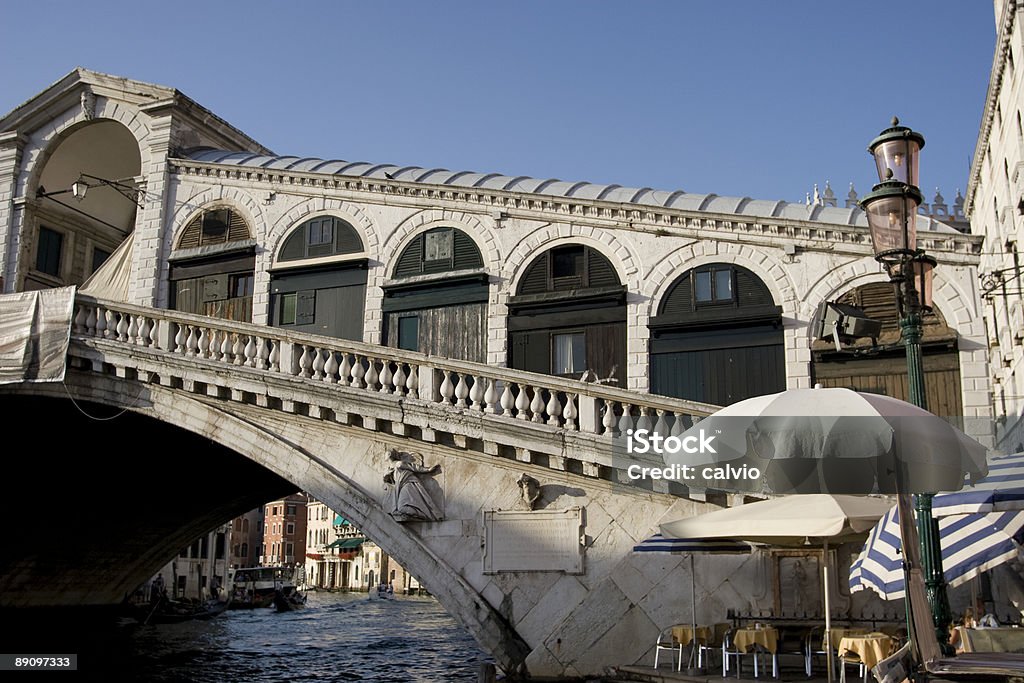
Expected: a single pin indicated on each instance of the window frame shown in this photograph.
(580, 332)
(712, 271)
(61, 238)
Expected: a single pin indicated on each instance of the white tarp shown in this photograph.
(110, 280)
(35, 328)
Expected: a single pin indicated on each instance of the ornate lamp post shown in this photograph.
(891, 209)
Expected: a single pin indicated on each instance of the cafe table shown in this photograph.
(869, 648)
(683, 634)
(765, 638)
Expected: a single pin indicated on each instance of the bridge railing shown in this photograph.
(562, 403)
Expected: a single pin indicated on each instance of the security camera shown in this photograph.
(842, 323)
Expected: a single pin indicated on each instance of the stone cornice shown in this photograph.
(767, 231)
(995, 85)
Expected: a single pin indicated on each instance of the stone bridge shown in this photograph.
(320, 414)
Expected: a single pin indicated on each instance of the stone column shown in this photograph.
(11, 146)
(148, 256)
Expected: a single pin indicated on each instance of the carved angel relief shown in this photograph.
(411, 493)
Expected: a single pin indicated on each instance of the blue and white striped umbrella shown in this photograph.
(1002, 489)
(661, 544)
(971, 544)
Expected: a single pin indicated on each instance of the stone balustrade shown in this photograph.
(533, 406)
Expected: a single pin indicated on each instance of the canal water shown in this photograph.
(336, 637)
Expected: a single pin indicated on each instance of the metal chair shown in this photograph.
(718, 632)
(729, 651)
(851, 658)
(667, 641)
(815, 645)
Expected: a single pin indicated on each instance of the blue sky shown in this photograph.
(759, 99)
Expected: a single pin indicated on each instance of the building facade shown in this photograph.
(284, 532)
(995, 204)
(669, 292)
(201, 570)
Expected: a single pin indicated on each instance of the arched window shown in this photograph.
(717, 337)
(212, 226)
(568, 316)
(317, 297)
(882, 369)
(438, 250)
(217, 282)
(319, 237)
(443, 315)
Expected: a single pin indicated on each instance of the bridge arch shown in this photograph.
(276, 447)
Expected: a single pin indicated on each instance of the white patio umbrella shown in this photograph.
(833, 441)
(813, 519)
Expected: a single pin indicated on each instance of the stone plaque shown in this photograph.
(533, 541)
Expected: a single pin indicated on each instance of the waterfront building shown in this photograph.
(201, 569)
(247, 538)
(284, 532)
(995, 205)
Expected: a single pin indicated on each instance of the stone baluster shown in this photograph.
(179, 338)
(608, 421)
(537, 404)
(206, 338)
(344, 371)
(110, 324)
(155, 332)
(80, 317)
(90, 322)
(192, 342)
(569, 413)
(331, 367)
(225, 346)
(373, 375)
(507, 400)
(239, 350)
(318, 364)
(357, 372)
(461, 391)
(476, 393)
(412, 384)
(145, 328)
(490, 397)
(522, 402)
(262, 353)
(275, 356)
(101, 322)
(387, 377)
(447, 388)
(661, 425)
(400, 378)
(250, 352)
(553, 408)
(133, 329)
(306, 362)
(122, 327)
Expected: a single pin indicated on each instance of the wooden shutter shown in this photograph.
(305, 307)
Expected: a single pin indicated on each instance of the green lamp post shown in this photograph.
(891, 210)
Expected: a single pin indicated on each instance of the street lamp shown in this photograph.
(891, 210)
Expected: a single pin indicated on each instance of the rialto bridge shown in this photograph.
(258, 324)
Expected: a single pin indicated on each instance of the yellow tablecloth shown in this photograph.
(684, 634)
(745, 638)
(994, 640)
(871, 648)
(839, 633)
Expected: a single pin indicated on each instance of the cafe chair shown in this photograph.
(704, 650)
(729, 651)
(666, 641)
(846, 658)
(815, 646)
